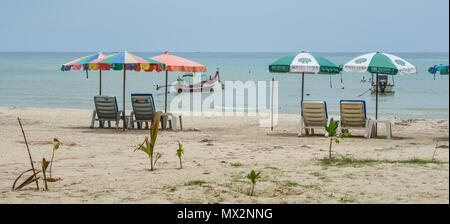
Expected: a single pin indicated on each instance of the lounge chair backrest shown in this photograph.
(353, 113)
(314, 113)
(106, 107)
(143, 106)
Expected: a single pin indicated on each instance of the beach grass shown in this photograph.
(271, 168)
(235, 164)
(195, 183)
(347, 160)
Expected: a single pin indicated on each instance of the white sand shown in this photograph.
(99, 165)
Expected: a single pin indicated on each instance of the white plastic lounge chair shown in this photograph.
(313, 115)
(106, 110)
(143, 110)
(353, 115)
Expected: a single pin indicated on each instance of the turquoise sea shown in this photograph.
(35, 80)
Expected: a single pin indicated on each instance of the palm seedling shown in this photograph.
(34, 177)
(180, 151)
(332, 130)
(253, 176)
(148, 145)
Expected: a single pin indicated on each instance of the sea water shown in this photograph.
(35, 80)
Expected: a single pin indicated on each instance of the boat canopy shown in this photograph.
(194, 74)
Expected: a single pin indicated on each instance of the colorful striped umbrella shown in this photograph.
(130, 61)
(78, 63)
(442, 69)
(379, 63)
(175, 63)
(304, 62)
(126, 61)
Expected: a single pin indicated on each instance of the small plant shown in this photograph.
(32, 178)
(148, 145)
(332, 130)
(253, 176)
(56, 144)
(44, 165)
(180, 151)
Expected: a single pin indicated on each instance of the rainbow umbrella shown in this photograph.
(126, 61)
(175, 63)
(82, 62)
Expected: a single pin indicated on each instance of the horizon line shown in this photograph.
(447, 52)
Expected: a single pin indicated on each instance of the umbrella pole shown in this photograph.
(100, 90)
(303, 83)
(165, 106)
(271, 107)
(331, 86)
(124, 74)
(376, 106)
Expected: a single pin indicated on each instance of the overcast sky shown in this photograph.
(226, 25)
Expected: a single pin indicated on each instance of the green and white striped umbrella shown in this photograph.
(304, 62)
(379, 63)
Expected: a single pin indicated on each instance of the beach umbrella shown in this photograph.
(379, 63)
(175, 63)
(126, 61)
(304, 63)
(442, 69)
(82, 62)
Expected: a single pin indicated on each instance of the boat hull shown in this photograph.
(204, 86)
(387, 89)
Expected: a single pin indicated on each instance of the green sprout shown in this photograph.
(180, 151)
(44, 165)
(332, 130)
(253, 176)
(56, 144)
(148, 145)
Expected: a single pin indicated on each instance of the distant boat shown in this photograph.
(185, 83)
(384, 86)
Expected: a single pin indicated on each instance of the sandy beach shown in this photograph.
(100, 166)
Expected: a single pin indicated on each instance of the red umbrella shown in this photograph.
(175, 63)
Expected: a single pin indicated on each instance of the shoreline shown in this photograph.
(100, 166)
(224, 113)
